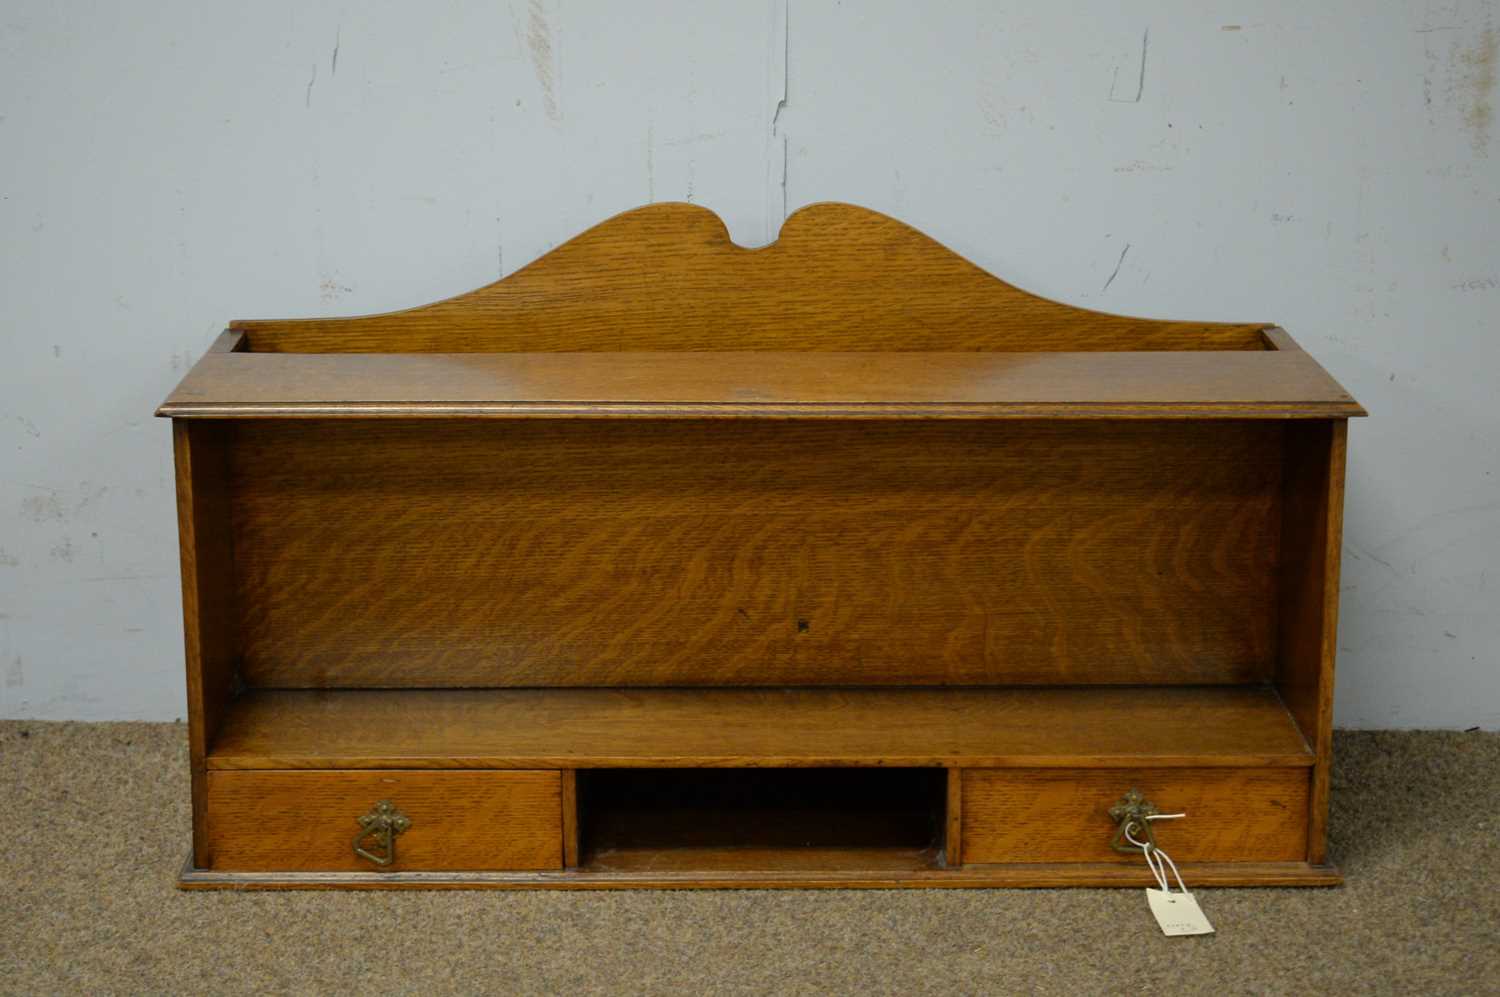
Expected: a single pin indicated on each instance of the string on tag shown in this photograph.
(1176, 913)
(1157, 860)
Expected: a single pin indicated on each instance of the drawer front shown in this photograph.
(459, 820)
(1062, 815)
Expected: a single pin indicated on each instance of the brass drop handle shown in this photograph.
(380, 827)
(1129, 815)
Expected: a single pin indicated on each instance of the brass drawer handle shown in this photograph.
(380, 827)
(1130, 814)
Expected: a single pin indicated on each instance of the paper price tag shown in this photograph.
(1178, 913)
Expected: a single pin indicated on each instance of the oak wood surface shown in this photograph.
(459, 820)
(953, 838)
(1059, 815)
(210, 633)
(1265, 384)
(884, 870)
(657, 553)
(667, 277)
(1105, 548)
(570, 817)
(583, 728)
(1307, 611)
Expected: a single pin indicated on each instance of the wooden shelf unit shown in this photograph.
(662, 562)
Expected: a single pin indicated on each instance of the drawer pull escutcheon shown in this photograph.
(1130, 814)
(380, 827)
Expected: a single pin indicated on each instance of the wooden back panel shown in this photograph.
(667, 277)
(649, 553)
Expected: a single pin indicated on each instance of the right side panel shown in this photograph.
(1311, 537)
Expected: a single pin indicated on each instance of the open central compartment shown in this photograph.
(751, 818)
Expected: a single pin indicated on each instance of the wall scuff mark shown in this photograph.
(1477, 81)
(543, 58)
(1463, 84)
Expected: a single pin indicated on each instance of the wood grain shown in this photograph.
(1264, 384)
(210, 624)
(655, 553)
(953, 838)
(667, 277)
(459, 820)
(1053, 815)
(861, 503)
(885, 872)
(1311, 543)
(587, 728)
(570, 817)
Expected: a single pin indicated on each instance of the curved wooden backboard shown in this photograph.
(667, 277)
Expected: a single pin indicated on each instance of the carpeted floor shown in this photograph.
(94, 827)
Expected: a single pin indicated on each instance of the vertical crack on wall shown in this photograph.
(650, 161)
(784, 157)
(1140, 81)
(778, 52)
(1116, 271)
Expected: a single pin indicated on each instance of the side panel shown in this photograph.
(1311, 541)
(210, 627)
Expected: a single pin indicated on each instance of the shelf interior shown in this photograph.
(637, 819)
(1075, 726)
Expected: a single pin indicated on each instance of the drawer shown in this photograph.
(459, 820)
(1062, 815)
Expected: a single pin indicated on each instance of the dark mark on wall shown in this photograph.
(1116, 272)
(1140, 83)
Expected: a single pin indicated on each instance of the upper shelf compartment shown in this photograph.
(848, 314)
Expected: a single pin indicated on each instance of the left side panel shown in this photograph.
(210, 637)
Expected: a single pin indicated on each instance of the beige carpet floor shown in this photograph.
(94, 827)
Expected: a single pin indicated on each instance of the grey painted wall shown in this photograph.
(164, 167)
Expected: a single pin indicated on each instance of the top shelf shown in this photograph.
(850, 314)
(1236, 384)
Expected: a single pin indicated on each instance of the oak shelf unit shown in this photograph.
(841, 562)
